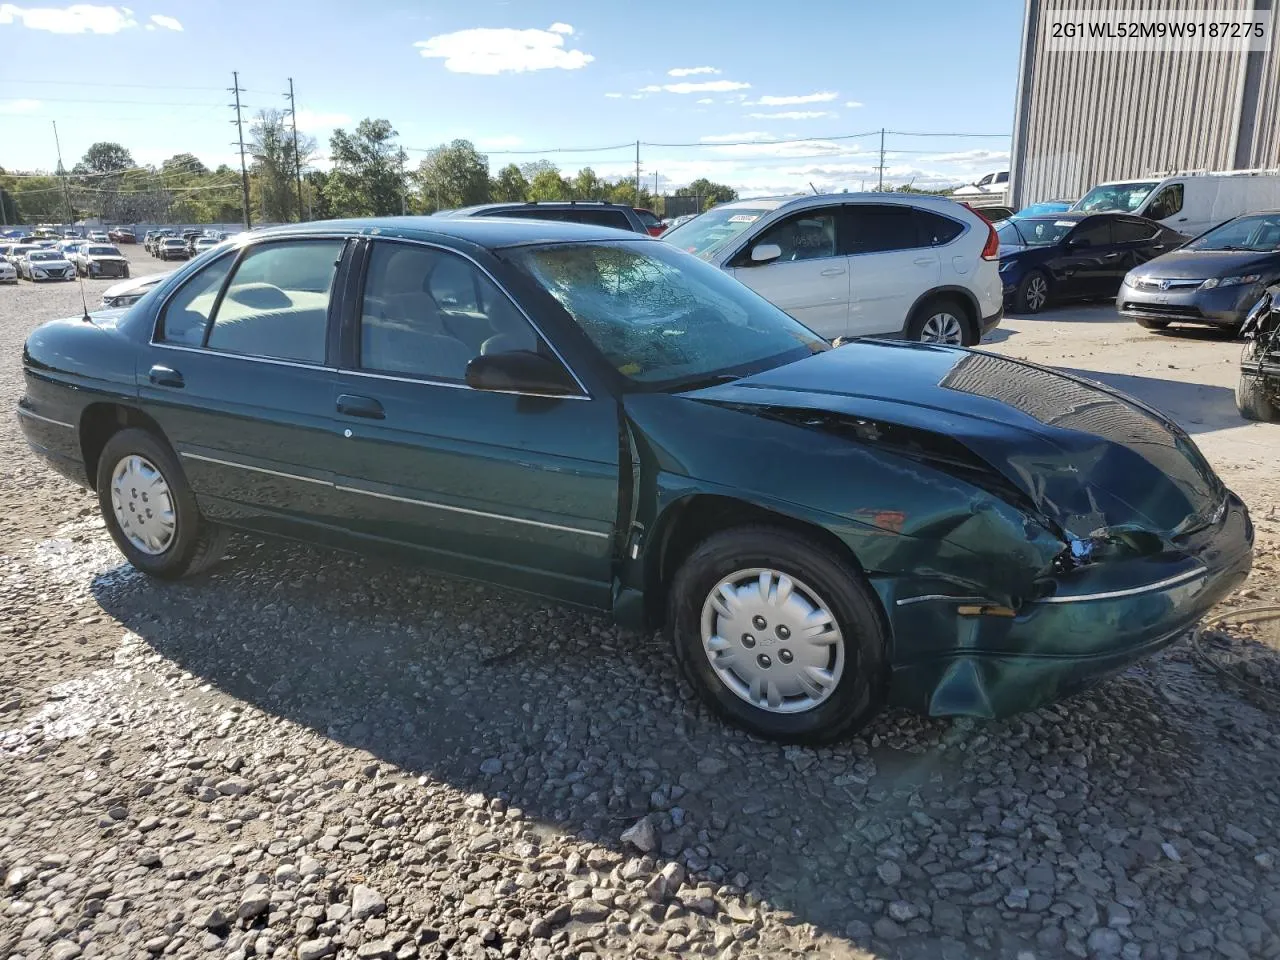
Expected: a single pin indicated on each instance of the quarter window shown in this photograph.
(428, 313)
(186, 315)
(277, 303)
(803, 236)
(878, 228)
(935, 229)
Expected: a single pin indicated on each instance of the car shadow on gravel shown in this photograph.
(1197, 407)
(585, 728)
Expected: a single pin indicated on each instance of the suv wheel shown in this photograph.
(941, 320)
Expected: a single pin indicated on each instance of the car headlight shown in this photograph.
(1128, 280)
(1230, 281)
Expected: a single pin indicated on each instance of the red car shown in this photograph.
(122, 235)
(650, 221)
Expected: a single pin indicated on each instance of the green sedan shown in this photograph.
(600, 418)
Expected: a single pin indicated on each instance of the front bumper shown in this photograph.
(1219, 307)
(1101, 619)
(108, 269)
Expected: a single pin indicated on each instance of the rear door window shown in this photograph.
(1095, 232)
(600, 218)
(935, 229)
(1134, 231)
(879, 228)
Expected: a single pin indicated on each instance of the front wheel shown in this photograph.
(150, 510)
(1032, 294)
(778, 635)
(941, 321)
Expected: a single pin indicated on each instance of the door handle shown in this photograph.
(356, 406)
(163, 376)
(832, 271)
(1110, 256)
(923, 261)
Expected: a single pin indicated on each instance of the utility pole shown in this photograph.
(403, 199)
(637, 171)
(244, 170)
(297, 164)
(66, 191)
(881, 167)
(655, 186)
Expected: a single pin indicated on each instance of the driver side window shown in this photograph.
(428, 313)
(1167, 203)
(804, 236)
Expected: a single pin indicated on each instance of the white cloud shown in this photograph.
(19, 106)
(853, 103)
(823, 97)
(706, 86)
(310, 120)
(979, 156)
(614, 96)
(491, 51)
(77, 18)
(707, 100)
(690, 71)
(792, 115)
(735, 137)
(169, 23)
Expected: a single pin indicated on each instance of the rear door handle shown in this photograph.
(923, 261)
(354, 405)
(163, 376)
(832, 271)
(1110, 256)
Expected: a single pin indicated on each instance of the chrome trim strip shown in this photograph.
(1132, 591)
(245, 466)
(455, 385)
(905, 601)
(473, 513)
(24, 412)
(244, 356)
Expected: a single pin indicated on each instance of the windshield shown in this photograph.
(1260, 234)
(103, 252)
(705, 234)
(174, 243)
(1121, 197)
(44, 255)
(1034, 231)
(663, 318)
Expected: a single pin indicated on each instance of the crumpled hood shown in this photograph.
(1087, 457)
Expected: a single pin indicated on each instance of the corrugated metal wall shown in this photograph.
(1089, 117)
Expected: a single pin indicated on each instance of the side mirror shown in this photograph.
(765, 252)
(519, 371)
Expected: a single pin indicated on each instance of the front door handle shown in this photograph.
(354, 405)
(163, 376)
(923, 261)
(1111, 256)
(832, 271)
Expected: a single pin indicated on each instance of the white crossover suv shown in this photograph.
(860, 264)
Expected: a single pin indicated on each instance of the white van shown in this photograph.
(1190, 203)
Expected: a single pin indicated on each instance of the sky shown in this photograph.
(768, 98)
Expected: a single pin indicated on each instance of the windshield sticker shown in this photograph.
(1064, 223)
(744, 218)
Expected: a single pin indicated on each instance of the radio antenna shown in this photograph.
(71, 220)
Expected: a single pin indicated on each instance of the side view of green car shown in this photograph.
(597, 417)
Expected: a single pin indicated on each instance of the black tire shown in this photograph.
(1253, 401)
(942, 305)
(196, 544)
(1025, 299)
(126, 274)
(1148, 324)
(859, 693)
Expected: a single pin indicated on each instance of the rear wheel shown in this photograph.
(1148, 324)
(150, 510)
(778, 635)
(941, 320)
(1032, 294)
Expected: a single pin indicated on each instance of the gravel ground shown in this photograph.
(307, 754)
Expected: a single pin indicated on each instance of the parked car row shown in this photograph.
(608, 420)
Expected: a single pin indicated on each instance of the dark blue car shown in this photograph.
(1074, 256)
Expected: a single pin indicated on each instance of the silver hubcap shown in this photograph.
(772, 640)
(143, 504)
(942, 328)
(1037, 292)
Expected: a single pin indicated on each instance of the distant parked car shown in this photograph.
(99, 236)
(122, 235)
(1074, 256)
(153, 238)
(46, 265)
(994, 213)
(1214, 280)
(129, 292)
(17, 251)
(172, 248)
(100, 260)
(650, 221)
(859, 264)
(71, 234)
(8, 272)
(1045, 208)
(591, 212)
(202, 244)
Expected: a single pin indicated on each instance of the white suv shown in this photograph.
(860, 264)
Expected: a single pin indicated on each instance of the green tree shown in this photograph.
(456, 175)
(315, 185)
(587, 186)
(547, 184)
(104, 157)
(509, 185)
(366, 176)
(272, 147)
(187, 164)
(710, 192)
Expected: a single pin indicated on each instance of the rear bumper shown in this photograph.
(1117, 614)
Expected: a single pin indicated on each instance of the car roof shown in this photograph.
(801, 201)
(492, 232)
(533, 205)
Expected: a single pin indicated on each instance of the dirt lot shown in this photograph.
(307, 754)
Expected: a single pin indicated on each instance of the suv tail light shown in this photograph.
(991, 249)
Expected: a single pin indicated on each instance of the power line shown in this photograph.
(512, 153)
(754, 143)
(145, 103)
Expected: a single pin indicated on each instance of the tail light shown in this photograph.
(991, 249)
